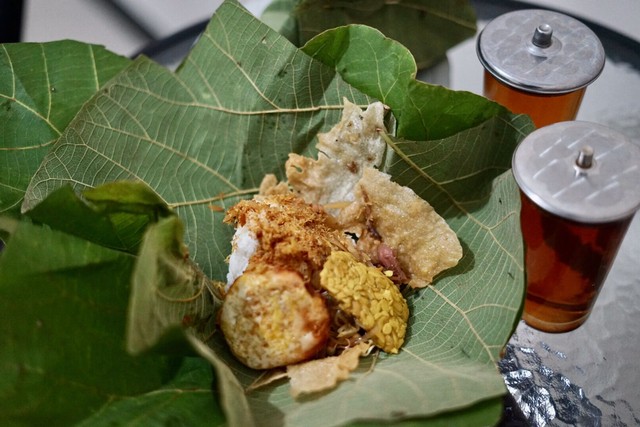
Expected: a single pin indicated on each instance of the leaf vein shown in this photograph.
(241, 70)
(468, 321)
(49, 89)
(166, 147)
(13, 74)
(94, 67)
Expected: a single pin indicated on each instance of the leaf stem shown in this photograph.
(222, 196)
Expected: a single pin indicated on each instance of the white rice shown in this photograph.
(244, 245)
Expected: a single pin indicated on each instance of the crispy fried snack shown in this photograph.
(387, 213)
(344, 152)
(324, 374)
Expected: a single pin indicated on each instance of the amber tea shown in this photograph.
(543, 109)
(566, 263)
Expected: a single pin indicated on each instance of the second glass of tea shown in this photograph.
(539, 62)
(580, 187)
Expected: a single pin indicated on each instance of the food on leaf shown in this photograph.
(289, 234)
(270, 319)
(273, 312)
(368, 295)
(352, 145)
(323, 374)
(311, 289)
(387, 216)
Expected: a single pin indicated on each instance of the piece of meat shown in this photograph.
(388, 261)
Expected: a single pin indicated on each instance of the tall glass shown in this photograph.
(579, 188)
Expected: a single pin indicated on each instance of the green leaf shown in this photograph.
(42, 86)
(428, 28)
(480, 414)
(169, 292)
(63, 302)
(114, 215)
(173, 303)
(128, 196)
(204, 137)
(185, 401)
(233, 399)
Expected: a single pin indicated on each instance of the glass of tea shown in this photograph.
(580, 188)
(539, 62)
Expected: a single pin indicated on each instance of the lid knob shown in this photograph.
(585, 157)
(542, 36)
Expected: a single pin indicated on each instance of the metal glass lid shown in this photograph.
(581, 171)
(540, 51)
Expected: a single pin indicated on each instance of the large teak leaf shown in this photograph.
(244, 98)
(42, 86)
(115, 215)
(168, 292)
(381, 67)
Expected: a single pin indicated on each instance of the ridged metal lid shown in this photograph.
(580, 171)
(540, 51)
